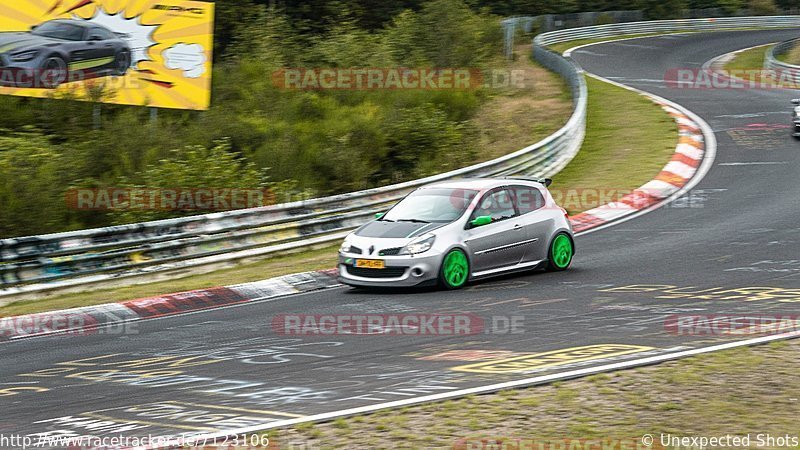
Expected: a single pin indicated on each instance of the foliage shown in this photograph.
(762, 7)
(195, 166)
(32, 174)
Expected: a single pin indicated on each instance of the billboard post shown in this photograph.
(155, 53)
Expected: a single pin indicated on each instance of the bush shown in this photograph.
(604, 19)
(32, 179)
(762, 7)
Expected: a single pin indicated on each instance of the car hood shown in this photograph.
(16, 42)
(396, 230)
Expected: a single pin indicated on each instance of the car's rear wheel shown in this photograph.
(54, 72)
(122, 63)
(455, 270)
(561, 252)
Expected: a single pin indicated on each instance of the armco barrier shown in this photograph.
(49, 262)
(667, 26)
(771, 61)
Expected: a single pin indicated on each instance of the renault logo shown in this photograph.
(371, 249)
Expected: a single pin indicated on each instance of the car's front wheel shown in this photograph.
(454, 272)
(561, 252)
(54, 72)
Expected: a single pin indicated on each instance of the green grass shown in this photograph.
(739, 391)
(790, 57)
(626, 130)
(563, 46)
(324, 258)
(743, 64)
(748, 59)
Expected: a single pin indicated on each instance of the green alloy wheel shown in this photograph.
(561, 251)
(455, 270)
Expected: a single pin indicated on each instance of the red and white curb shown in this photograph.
(92, 320)
(681, 168)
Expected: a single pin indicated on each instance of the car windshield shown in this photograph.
(60, 30)
(439, 205)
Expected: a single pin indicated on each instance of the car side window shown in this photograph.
(527, 199)
(99, 34)
(496, 204)
(105, 34)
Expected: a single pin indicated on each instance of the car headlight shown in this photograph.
(419, 245)
(345, 248)
(24, 56)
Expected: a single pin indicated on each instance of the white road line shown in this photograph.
(753, 163)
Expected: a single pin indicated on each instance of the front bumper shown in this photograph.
(400, 271)
(19, 74)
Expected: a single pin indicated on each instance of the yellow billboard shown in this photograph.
(153, 53)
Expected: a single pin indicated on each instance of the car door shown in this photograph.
(497, 244)
(535, 219)
(79, 51)
(107, 48)
(99, 51)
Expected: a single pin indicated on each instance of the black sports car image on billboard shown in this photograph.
(59, 51)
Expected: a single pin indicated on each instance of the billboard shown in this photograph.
(132, 52)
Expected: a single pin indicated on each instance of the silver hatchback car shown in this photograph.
(453, 232)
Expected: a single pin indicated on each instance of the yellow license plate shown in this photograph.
(370, 263)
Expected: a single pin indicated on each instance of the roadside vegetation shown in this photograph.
(752, 58)
(746, 64)
(689, 397)
(791, 57)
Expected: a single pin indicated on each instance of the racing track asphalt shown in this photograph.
(738, 230)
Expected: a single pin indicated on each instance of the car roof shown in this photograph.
(80, 23)
(481, 184)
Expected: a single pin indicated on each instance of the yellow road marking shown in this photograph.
(552, 358)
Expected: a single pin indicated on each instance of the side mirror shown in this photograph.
(34, 27)
(95, 38)
(481, 221)
(548, 182)
(379, 215)
(796, 101)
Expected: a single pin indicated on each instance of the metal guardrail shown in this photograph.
(52, 261)
(668, 26)
(771, 61)
(66, 259)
